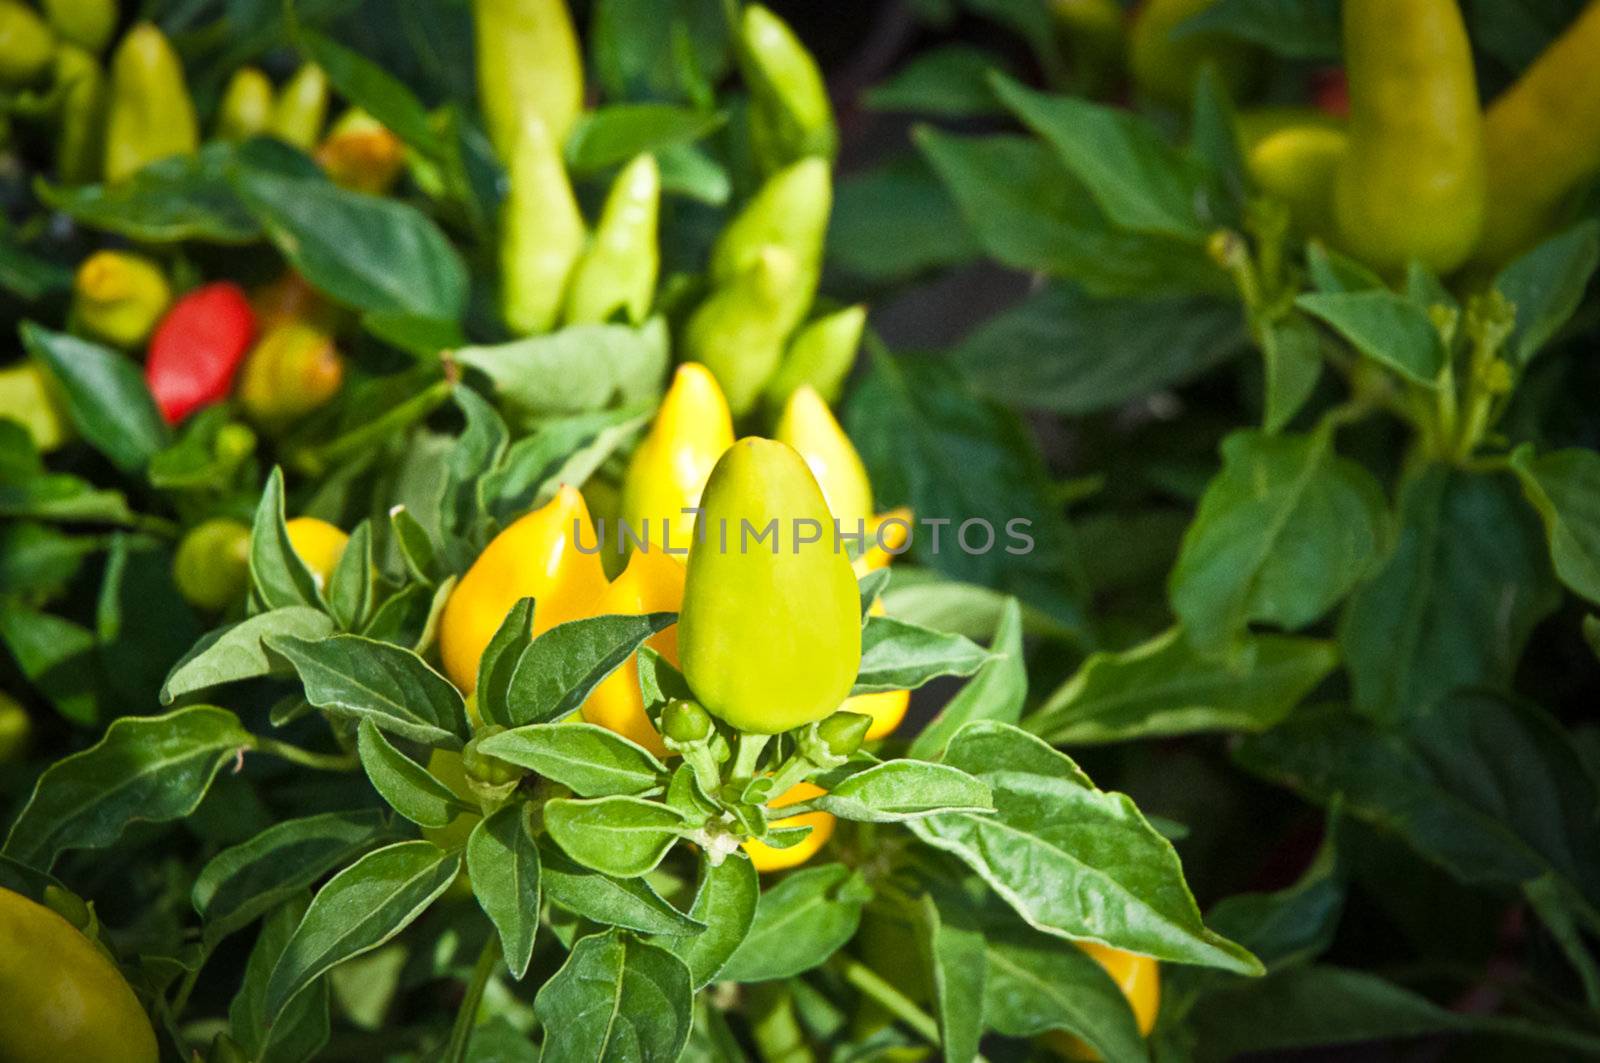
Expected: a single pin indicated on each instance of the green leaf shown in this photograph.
(245, 881)
(1565, 917)
(589, 760)
(996, 691)
(499, 662)
(954, 955)
(1565, 488)
(616, 1000)
(183, 197)
(147, 769)
(622, 836)
(360, 908)
(624, 902)
(1333, 271)
(367, 85)
(725, 902)
(358, 678)
(1073, 861)
(301, 1030)
(1291, 350)
(1063, 351)
(951, 81)
(1546, 285)
(1141, 182)
(405, 784)
(503, 863)
(555, 674)
(1388, 328)
(1284, 531)
(895, 221)
(579, 369)
(1441, 785)
(611, 135)
(799, 923)
(1455, 602)
(900, 790)
(1033, 984)
(1166, 687)
(352, 590)
(104, 394)
(280, 578)
(1294, 29)
(366, 252)
(896, 655)
(1293, 925)
(1033, 213)
(56, 656)
(235, 652)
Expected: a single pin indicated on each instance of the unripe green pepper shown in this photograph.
(246, 108)
(212, 565)
(80, 129)
(294, 369)
(790, 116)
(1297, 165)
(820, 355)
(1542, 140)
(119, 296)
(770, 631)
(841, 734)
(301, 109)
(738, 331)
(27, 397)
(63, 999)
(86, 23)
(684, 721)
(15, 729)
(26, 45)
(1411, 185)
(810, 428)
(529, 66)
(151, 115)
(541, 232)
(618, 271)
(1165, 67)
(789, 211)
(483, 768)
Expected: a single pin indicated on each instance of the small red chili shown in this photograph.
(197, 349)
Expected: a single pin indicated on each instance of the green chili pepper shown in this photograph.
(151, 115)
(246, 108)
(542, 232)
(529, 65)
(618, 271)
(789, 211)
(820, 355)
(790, 116)
(301, 109)
(80, 131)
(738, 331)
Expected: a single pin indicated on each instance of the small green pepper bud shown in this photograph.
(486, 769)
(684, 722)
(71, 907)
(212, 565)
(842, 733)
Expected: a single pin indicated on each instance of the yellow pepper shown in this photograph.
(319, 544)
(670, 467)
(26, 45)
(119, 296)
(151, 115)
(766, 858)
(246, 108)
(810, 428)
(1139, 978)
(652, 583)
(63, 999)
(536, 557)
(1297, 165)
(28, 397)
(770, 630)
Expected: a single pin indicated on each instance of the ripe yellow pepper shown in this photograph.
(536, 557)
(1297, 165)
(1542, 140)
(810, 428)
(670, 467)
(652, 583)
(1139, 978)
(770, 631)
(119, 296)
(319, 544)
(1411, 184)
(63, 1000)
(766, 858)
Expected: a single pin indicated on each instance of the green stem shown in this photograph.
(461, 1033)
(349, 761)
(888, 997)
(748, 755)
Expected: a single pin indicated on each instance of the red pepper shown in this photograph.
(197, 349)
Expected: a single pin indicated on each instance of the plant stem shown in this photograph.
(748, 755)
(888, 997)
(466, 1017)
(294, 754)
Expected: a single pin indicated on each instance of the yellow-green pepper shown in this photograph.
(118, 297)
(542, 232)
(618, 271)
(529, 66)
(212, 564)
(790, 116)
(246, 108)
(821, 354)
(301, 108)
(151, 115)
(1165, 66)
